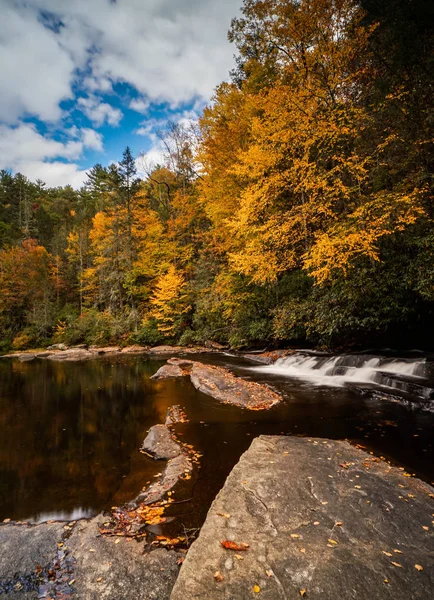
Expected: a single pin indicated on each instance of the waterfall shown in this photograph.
(410, 376)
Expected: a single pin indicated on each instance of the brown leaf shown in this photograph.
(256, 589)
(241, 547)
(387, 553)
(303, 592)
(218, 576)
(395, 564)
(418, 567)
(269, 573)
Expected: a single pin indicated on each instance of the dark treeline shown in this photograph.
(299, 210)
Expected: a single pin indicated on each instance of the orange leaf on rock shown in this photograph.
(234, 546)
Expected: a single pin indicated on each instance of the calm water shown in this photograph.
(70, 432)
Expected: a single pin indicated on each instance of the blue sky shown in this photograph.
(82, 79)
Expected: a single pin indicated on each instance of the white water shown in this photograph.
(406, 375)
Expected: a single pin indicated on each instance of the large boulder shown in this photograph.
(160, 444)
(322, 520)
(169, 372)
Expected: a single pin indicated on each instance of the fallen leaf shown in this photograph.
(386, 580)
(425, 527)
(338, 523)
(395, 564)
(71, 582)
(303, 592)
(225, 515)
(256, 589)
(316, 522)
(234, 546)
(387, 553)
(418, 567)
(397, 551)
(99, 579)
(269, 573)
(180, 560)
(218, 576)
(295, 535)
(334, 542)
(239, 557)
(303, 550)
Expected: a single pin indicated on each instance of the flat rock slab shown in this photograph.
(118, 569)
(23, 549)
(225, 387)
(160, 444)
(323, 520)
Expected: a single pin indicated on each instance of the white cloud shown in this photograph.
(99, 112)
(139, 105)
(23, 149)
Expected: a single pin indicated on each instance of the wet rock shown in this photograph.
(166, 349)
(135, 349)
(169, 371)
(160, 444)
(26, 551)
(322, 519)
(267, 358)
(225, 387)
(174, 415)
(175, 470)
(26, 357)
(183, 363)
(106, 349)
(71, 354)
(115, 568)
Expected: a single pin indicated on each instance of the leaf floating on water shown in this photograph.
(425, 527)
(241, 547)
(338, 523)
(395, 564)
(397, 551)
(218, 576)
(387, 553)
(418, 567)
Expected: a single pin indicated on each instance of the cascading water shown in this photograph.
(412, 377)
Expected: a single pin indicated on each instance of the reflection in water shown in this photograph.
(70, 432)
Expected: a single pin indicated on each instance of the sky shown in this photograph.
(82, 79)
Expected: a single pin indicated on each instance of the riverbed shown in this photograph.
(70, 431)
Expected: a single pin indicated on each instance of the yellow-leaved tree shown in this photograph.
(169, 302)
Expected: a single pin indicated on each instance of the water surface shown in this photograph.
(70, 432)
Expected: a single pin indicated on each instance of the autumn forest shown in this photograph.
(299, 210)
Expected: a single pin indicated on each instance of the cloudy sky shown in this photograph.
(81, 79)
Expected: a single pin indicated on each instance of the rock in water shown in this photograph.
(160, 444)
(175, 470)
(169, 372)
(222, 385)
(322, 520)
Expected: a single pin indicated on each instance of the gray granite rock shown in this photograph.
(160, 444)
(323, 520)
(113, 568)
(24, 551)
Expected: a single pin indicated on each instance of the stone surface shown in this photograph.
(175, 469)
(169, 372)
(107, 568)
(58, 347)
(135, 349)
(225, 387)
(160, 444)
(24, 548)
(322, 519)
(49, 561)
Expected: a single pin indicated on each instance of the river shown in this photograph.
(70, 431)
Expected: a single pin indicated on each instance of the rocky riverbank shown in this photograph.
(297, 517)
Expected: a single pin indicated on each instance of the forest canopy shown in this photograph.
(299, 210)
